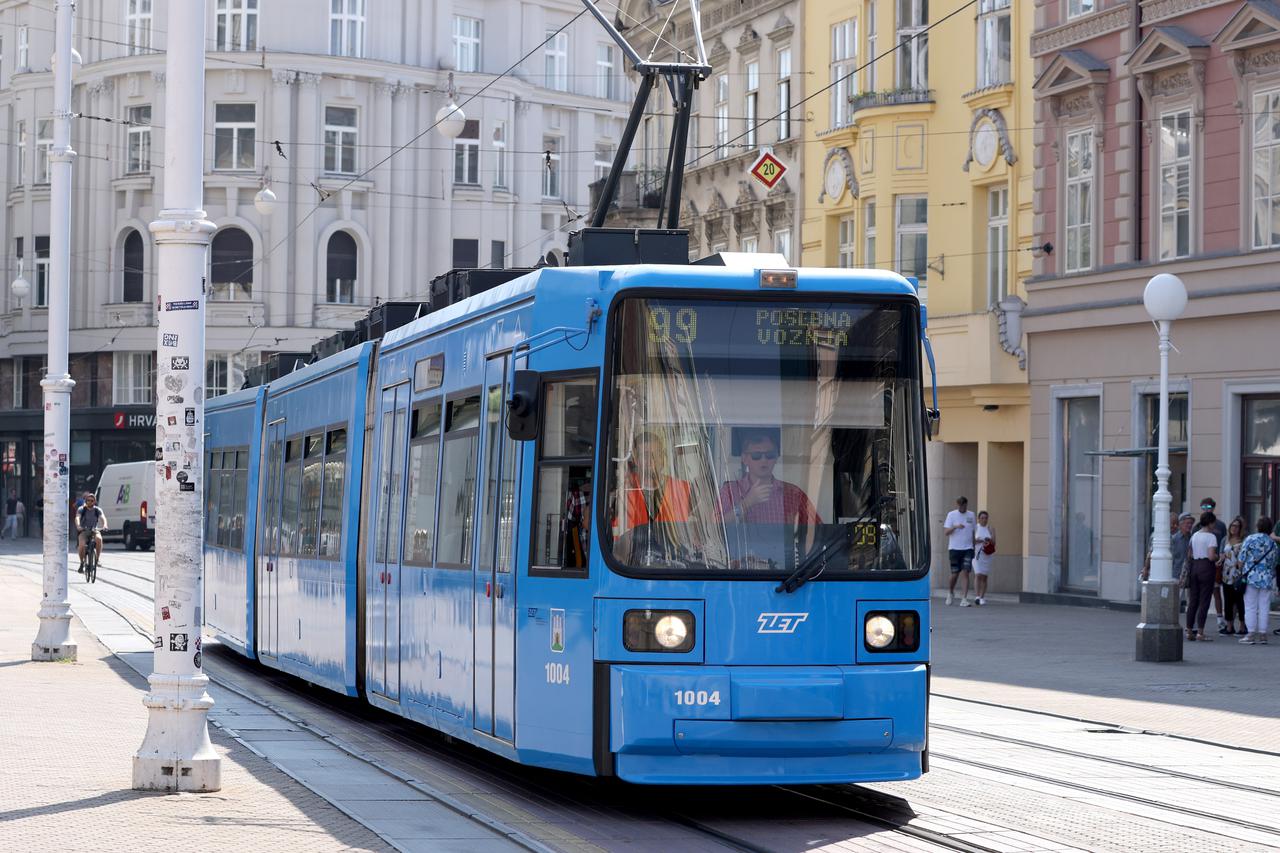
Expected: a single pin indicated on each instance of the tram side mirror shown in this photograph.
(522, 406)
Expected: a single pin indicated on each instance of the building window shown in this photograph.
(466, 43)
(133, 378)
(997, 244)
(497, 254)
(869, 17)
(551, 167)
(1079, 189)
(1266, 168)
(340, 269)
(606, 71)
(223, 373)
(557, 61)
(750, 244)
(346, 28)
(1081, 496)
(752, 102)
(869, 233)
(139, 139)
(231, 265)
(42, 272)
(500, 154)
(784, 93)
(138, 27)
(1076, 8)
(132, 288)
(340, 140)
(994, 42)
(466, 154)
(912, 237)
(20, 167)
(237, 24)
(782, 243)
(844, 40)
(913, 44)
(24, 49)
(603, 161)
(44, 145)
(1175, 185)
(846, 243)
(1179, 435)
(1259, 458)
(234, 131)
(722, 116)
(466, 254)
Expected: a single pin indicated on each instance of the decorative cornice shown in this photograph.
(1081, 29)
(746, 193)
(1157, 10)
(306, 78)
(157, 77)
(782, 29)
(283, 76)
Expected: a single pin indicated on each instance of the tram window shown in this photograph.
(289, 497)
(428, 373)
(562, 507)
(458, 483)
(335, 465)
(226, 502)
(309, 502)
(269, 515)
(211, 482)
(424, 466)
(241, 500)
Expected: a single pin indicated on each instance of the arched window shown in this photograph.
(231, 273)
(133, 290)
(340, 268)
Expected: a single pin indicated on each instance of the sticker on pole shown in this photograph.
(768, 170)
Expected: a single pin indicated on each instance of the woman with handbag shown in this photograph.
(1201, 576)
(984, 546)
(1258, 557)
(1233, 582)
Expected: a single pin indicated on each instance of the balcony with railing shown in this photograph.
(890, 98)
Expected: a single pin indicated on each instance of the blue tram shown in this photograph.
(660, 522)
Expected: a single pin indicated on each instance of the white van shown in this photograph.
(127, 494)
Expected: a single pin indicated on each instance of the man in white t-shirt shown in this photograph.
(959, 528)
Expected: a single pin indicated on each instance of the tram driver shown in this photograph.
(757, 497)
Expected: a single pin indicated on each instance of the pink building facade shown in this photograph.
(1157, 146)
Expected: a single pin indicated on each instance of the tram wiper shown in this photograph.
(817, 560)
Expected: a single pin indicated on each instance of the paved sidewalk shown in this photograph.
(1078, 661)
(67, 736)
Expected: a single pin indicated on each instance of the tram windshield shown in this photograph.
(764, 436)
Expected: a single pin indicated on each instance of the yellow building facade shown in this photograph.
(921, 161)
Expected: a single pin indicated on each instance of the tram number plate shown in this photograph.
(557, 673)
(697, 697)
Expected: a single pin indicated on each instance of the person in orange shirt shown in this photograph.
(650, 494)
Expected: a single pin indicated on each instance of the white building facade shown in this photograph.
(327, 103)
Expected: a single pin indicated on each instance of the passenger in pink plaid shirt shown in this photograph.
(759, 498)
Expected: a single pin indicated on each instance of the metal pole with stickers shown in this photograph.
(53, 638)
(176, 754)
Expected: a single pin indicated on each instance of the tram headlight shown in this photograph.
(880, 632)
(658, 631)
(891, 631)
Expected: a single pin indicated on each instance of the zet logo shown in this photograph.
(780, 623)
(122, 496)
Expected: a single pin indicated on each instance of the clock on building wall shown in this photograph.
(837, 175)
(986, 142)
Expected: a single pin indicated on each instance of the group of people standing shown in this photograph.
(1226, 565)
(971, 544)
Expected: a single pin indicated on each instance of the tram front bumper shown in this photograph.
(722, 724)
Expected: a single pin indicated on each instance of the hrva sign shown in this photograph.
(125, 421)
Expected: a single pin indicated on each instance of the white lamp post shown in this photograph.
(1159, 634)
(450, 119)
(20, 287)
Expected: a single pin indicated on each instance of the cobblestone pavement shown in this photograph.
(68, 732)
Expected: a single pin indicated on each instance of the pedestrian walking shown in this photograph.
(1233, 582)
(1258, 558)
(984, 549)
(1201, 574)
(13, 508)
(1220, 530)
(958, 528)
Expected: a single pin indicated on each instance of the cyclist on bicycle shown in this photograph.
(90, 519)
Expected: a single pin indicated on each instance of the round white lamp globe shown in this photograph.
(265, 201)
(1165, 297)
(20, 287)
(450, 120)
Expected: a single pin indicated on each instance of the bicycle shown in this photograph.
(91, 561)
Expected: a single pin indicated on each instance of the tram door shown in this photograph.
(495, 594)
(268, 569)
(383, 594)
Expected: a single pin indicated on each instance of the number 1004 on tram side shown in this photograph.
(664, 523)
